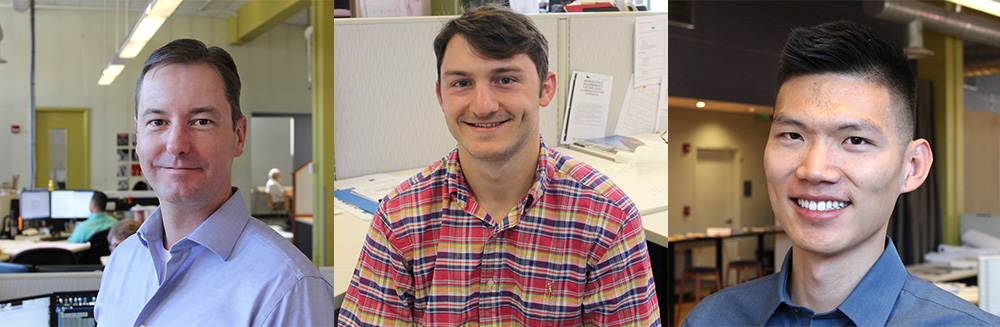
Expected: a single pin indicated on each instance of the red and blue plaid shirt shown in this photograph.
(571, 253)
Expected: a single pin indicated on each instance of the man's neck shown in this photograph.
(821, 283)
(180, 219)
(499, 186)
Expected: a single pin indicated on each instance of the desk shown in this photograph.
(717, 242)
(12, 247)
(350, 231)
(939, 272)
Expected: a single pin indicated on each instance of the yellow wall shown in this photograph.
(982, 176)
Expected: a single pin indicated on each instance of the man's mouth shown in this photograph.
(487, 125)
(821, 205)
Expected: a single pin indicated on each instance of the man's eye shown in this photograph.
(202, 122)
(792, 136)
(157, 122)
(461, 83)
(506, 80)
(857, 140)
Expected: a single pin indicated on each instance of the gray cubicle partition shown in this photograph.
(14, 286)
(387, 117)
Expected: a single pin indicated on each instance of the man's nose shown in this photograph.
(485, 101)
(179, 140)
(819, 165)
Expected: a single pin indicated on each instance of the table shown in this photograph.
(13, 247)
(940, 272)
(647, 180)
(717, 242)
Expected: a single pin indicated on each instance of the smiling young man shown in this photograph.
(200, 259)
(503, 231)
(840, 151)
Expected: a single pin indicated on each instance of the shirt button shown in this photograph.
(491, 284)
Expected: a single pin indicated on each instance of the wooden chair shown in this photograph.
(696, 273)
(743, 269)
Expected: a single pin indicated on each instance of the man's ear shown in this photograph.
(548, 89)
(918, 163)
(241, 135)
(437, 90)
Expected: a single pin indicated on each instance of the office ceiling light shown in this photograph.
(987, 6)
(699, 104)
(111, 71)
(149, 22)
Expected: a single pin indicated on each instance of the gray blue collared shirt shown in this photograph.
(887, 295)
(232, 270)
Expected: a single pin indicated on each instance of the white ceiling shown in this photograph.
(204, 8)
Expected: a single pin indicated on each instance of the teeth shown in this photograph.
(487, 125)
(821, 205)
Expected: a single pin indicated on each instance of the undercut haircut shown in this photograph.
(191, 51)
(497, 33)
(853, 49)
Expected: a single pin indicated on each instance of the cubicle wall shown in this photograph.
(14, 286)
(387, 117)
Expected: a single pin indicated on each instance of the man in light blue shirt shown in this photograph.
(200, 259)
(840, 152)
(97, 221)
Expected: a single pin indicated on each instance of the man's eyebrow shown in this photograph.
(498, 70)
(193, 111)
(781, 119)
(861, 125)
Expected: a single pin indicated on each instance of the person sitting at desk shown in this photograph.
(273, 187)
(97, 221)
(120, 231)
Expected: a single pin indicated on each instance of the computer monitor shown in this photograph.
(71, 204)
(73, 308)
(27, 311)
(34, 204)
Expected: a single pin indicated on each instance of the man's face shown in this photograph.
(186, 142)
(834, 162)
(491, 105)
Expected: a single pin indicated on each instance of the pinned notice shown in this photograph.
(650, 58)
(586, 107)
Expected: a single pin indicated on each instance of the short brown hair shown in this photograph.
(191, 51)
(498, 33)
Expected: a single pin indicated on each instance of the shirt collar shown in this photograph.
(218, 233)
(458, 189)
(869, 304)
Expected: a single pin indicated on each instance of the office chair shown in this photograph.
(98, 248)
(7, 267)
(45, 256)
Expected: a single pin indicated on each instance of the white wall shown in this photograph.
(271, 140)
(70, 54)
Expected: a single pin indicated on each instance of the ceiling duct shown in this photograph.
(963, 26)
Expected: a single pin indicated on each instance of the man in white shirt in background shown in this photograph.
(273, 187)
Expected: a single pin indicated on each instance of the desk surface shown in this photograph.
(350, 231)
(12, 247)
(936, 272)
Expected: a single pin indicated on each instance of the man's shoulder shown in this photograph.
(570, 173)
(735, 305)
(923, 303)
(264, 244)
(423, 186)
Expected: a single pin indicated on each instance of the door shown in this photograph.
(715, 203)
(62, 148)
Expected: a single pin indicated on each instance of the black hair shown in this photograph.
(851, 48)
(100, 200)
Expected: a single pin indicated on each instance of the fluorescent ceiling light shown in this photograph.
(111, 71)
(986, 6)
(152, 18)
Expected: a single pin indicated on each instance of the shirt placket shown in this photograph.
(491, 277)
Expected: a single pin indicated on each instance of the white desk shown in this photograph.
(12, 247)
(635, 179)
(936, 272)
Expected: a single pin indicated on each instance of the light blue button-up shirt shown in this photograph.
(233, 270)
(888, 295)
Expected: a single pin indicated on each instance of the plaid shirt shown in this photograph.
(572, 252)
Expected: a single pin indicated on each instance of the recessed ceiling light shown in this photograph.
(752, 109)
(699, 104)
